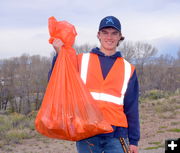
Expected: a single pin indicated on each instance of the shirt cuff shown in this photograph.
(133, 142)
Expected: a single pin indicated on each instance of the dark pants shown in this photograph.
(98, 144)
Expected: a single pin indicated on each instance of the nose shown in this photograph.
(109, 36)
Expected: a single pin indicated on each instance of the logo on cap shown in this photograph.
(109, 20)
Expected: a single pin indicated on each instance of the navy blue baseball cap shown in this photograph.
(110, 21)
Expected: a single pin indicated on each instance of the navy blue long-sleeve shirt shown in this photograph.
(130, 99)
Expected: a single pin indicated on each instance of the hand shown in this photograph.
(133, 149)
(57, 44)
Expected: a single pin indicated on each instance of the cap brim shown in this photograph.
(109, 26)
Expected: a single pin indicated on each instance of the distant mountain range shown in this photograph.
(167, 45)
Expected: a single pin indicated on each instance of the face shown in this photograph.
(109, 38)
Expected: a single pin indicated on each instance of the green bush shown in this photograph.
(4, 124)
(14, 127)
(16, 135)
(155, 94)
(174, 130)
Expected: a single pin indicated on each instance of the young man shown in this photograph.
(113, 83)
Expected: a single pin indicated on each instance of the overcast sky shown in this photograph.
(24, 24)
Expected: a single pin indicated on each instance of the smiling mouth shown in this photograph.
(109, 43)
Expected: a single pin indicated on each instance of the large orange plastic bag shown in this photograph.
(68, 111)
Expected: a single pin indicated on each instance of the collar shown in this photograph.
(98, 52)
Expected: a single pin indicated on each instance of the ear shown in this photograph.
(121, 37)
(98, 35)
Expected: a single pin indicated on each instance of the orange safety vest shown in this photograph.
(109, 92)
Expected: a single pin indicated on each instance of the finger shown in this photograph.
(55, 41)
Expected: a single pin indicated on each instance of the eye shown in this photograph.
(115, 33)
(104, 32)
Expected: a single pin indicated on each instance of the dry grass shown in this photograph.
(14, 128)
(160, 119)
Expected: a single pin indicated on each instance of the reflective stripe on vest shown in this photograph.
(84, 66)
(104, 96)
(108, 98)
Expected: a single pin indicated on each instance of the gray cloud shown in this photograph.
(27, 20)
(19, 13)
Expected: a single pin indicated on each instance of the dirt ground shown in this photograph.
(156, 127)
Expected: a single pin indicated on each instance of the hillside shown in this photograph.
(159, 117)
